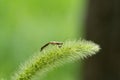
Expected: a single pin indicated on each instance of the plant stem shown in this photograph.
(55, 56)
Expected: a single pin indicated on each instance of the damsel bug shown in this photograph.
(53, 43)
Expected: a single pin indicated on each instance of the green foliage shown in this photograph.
(54, 56)
(26, 24)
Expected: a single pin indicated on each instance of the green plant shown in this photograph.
(55, 56)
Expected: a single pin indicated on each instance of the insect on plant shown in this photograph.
(52, 43)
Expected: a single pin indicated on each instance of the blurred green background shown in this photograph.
(25, 25)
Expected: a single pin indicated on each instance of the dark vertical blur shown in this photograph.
(103, 27)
